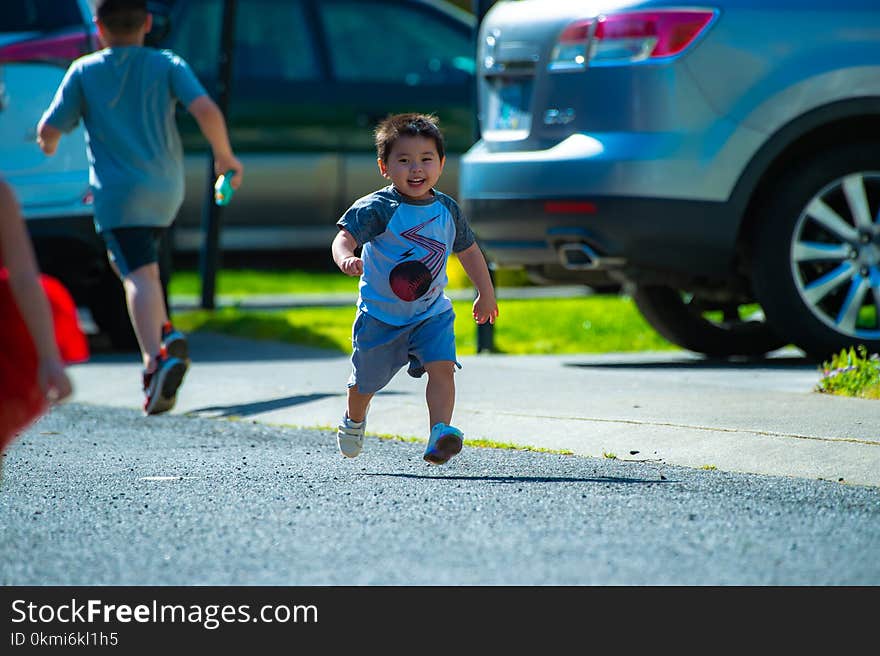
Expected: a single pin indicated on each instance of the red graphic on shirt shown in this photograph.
(412, 279)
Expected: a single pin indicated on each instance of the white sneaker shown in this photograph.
(350, 437)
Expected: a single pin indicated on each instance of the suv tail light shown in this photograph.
(62, 48)
(628, 37)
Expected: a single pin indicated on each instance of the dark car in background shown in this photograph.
(310, 80)
(721, 161)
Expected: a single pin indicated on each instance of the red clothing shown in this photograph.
(21, 400)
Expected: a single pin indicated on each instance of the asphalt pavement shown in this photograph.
(757, 417)
(102, 496)
(684, 473)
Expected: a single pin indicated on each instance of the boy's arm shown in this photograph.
(24, 282)
(64, 112)
(213, 126)
(343, 253)
(48, 137)
(474, 265)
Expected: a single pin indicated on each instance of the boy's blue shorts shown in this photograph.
(131, 248)
(380, 349)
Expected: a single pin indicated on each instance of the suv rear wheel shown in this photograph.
(817, 257)
(716, 329)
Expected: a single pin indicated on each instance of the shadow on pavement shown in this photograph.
(530, 479)
(258, 407)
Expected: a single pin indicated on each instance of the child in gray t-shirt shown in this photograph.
(126, 95)
(407, 232)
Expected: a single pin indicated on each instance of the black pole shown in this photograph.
(210, 252)
(485, 331)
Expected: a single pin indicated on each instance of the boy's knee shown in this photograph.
(146, 272)
(440, 369)
(355, 390)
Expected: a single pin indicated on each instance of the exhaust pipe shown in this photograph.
(577, 256)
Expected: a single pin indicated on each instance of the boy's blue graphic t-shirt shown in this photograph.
(126, 97)
(406, 244)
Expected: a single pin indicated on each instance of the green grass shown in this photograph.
(321, 327)
(593, 324)
(852, 373)
(474, 443)
(244, 282)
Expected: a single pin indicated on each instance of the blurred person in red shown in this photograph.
(39, 331)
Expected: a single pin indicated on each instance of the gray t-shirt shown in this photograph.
(406, 244)
(126, 98)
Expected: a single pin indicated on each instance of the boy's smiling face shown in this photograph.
(414, 166)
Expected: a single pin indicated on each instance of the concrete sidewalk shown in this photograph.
(673, 408)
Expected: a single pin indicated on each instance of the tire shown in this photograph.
(817, 255)
(108, 308)
(682, 319)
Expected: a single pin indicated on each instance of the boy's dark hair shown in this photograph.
(407, 125)
(122, 16)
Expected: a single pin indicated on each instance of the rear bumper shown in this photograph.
(673, 165)
(638, 237)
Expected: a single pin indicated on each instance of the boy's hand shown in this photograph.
(229, 163)
(485, 309)
(352, 266)
(48, 138)
(53, 380)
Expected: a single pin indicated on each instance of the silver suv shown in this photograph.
(721, 162)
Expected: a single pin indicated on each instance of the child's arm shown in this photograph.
(18, 257)
(474, 265)
(343, 253)
(213, 126)
(48, 137)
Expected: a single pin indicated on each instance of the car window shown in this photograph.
(271, 40)
(363, 38)
(195, 35)
(39, 15)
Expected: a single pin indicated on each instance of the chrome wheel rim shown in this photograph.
(835, 255)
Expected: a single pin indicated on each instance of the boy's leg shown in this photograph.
(146, 306)
(445, 440)
(379, 352)
(163, 373)
(134, 255)
(356, 409)
(432, 350)
(440, 391)
(351, 430)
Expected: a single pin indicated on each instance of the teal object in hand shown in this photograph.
(223, 190)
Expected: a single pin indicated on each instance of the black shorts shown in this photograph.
(131, 248)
